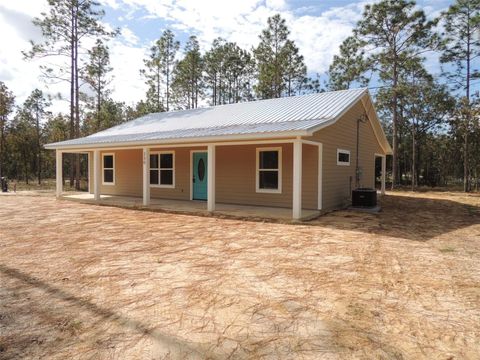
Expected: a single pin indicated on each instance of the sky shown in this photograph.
(317, 26)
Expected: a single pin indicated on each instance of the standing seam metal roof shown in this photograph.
(294, 113)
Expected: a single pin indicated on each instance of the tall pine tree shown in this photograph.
(461, 24)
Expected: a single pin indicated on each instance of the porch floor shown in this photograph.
(194, 207)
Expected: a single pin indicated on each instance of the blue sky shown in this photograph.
(317, 26)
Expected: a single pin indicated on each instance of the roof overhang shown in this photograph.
(190, 140)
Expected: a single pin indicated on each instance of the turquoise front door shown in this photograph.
(200, 176)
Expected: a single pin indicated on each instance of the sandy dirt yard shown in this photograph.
(82, 281)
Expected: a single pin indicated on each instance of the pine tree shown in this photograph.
(229, 72)
(349, 66)
(34, 110)
(7, 101)
(272, 55)
(295, 70)
(461, 23)
(96, 74)
(67, 24)
(158, 70)
(188, 76)
(393, 32)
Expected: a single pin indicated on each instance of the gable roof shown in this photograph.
(289, 116)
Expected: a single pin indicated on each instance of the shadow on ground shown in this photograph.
(54, 307)
(414, 217)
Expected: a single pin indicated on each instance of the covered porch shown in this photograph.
(193, 207)
(232, 176)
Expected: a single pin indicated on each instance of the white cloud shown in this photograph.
(318, 34)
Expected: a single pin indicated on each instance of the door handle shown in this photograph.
(193, 180)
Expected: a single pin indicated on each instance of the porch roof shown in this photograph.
(289, 116)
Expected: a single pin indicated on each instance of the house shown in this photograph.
(296, 152)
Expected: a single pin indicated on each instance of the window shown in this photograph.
(162, 172)
(269, 170)
(108, 169)
(343, 157)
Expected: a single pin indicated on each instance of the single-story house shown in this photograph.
(300, 152)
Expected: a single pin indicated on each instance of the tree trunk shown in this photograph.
(414, 155)
(2, 126)
(395, 127)
(77, 103)
(467, 119)
(39, 151)
(72, 92)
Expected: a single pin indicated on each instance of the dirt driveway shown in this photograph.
(90, 282)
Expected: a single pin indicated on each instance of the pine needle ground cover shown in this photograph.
(82, 281)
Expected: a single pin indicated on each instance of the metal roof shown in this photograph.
(293, 115)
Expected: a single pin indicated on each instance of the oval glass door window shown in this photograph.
(201, 170)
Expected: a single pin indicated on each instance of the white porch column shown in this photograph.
(89, 167)
(211, 178)
(97, 176)
(146, 176)
(59, 173)
(320, 176)
(297, 179)
(384, 172)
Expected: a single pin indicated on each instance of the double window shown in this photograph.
(343, 157)
(269, 170)
(108, 173)
(162, 169)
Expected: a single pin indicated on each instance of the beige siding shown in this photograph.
(128, 173)
(182, 176)
(235, 175)
(339, 180)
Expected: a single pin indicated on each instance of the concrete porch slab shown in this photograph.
(194, 207)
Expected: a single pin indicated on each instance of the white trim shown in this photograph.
(387, 149)
(112, 168)
(257, 170)
(343, 163)
(96, 174)
(343, 112)
(181, 145)
(191, 168)
(309, 142)
(320, 176)
(199, 141)
(90, 177)
(59, 173)
(297, 180)
(384, 171)
(146, 176)
(211, 178)
(159, 169)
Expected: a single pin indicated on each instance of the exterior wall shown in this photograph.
(182, 175)
(235, 175)
(338, 181)
(128, 173)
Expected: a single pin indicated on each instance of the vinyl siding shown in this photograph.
(338, 181)
(235, 175)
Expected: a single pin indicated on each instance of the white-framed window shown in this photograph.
(108, 169)
(343, 157)
(162, 169)
(269, 170)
